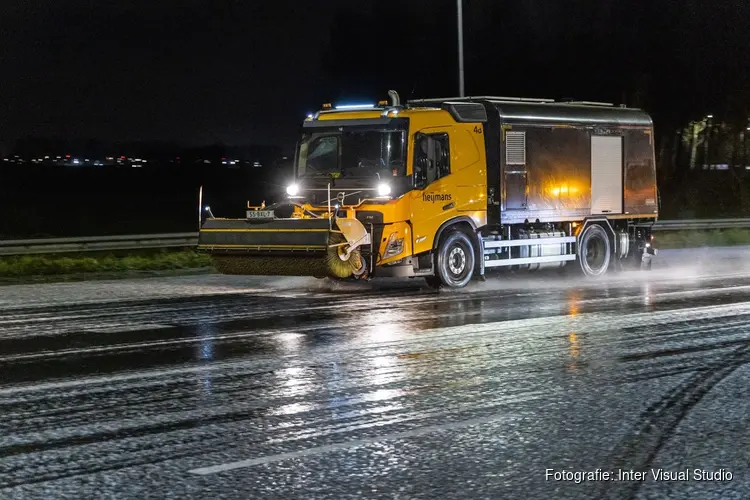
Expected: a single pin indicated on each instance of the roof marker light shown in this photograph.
(356, 106)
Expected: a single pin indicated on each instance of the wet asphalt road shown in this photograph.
(233, 387)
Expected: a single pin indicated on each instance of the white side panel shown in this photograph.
(606, 175)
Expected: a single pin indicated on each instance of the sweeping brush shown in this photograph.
(336, 267)
(319, 264)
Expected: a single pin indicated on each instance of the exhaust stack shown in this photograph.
(395, 99)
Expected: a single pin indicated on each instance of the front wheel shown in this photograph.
(455, 260)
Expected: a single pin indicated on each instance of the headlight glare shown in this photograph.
(384, 190)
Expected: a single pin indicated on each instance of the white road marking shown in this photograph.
(125, 328)
(319, 450)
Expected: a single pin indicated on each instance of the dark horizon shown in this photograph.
(192, 72)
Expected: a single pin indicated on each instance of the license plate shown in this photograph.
(260, 214)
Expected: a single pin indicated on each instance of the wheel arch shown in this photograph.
(465, 223)
(599, 221)
(462, 221)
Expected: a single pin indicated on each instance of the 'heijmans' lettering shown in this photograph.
(435, 197)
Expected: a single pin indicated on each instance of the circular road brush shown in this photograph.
(317, 264)
(335, 266)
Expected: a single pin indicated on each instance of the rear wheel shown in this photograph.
(455, 260)
(594, 251)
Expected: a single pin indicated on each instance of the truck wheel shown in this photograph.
(594, 252)
(455, 260)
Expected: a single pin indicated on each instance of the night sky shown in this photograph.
(200, 72)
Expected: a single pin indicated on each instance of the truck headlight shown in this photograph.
(395, 246)
(292, 190)
(384, 189)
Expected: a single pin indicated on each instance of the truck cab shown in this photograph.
(407, 172)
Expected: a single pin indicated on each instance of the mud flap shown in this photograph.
(647, 256)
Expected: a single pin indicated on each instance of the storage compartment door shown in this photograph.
(515, 190)
(606, 175)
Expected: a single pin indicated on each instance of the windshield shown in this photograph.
(352, 153)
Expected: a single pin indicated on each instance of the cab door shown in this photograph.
(432, 200)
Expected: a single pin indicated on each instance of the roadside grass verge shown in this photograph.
(698, 239)
(88, 265)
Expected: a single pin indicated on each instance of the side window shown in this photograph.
(432, 159)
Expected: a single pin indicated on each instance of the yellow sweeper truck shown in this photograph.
(447, 189)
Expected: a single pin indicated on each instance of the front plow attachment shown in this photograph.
(285, 247)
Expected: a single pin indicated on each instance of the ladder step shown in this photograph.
(528, 260)
(529, 242)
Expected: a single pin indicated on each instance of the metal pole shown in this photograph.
(200, 207)
(459, 4)
(707, 140)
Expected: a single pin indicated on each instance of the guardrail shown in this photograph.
(176, 240)
(97, 243)
(701, 224)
